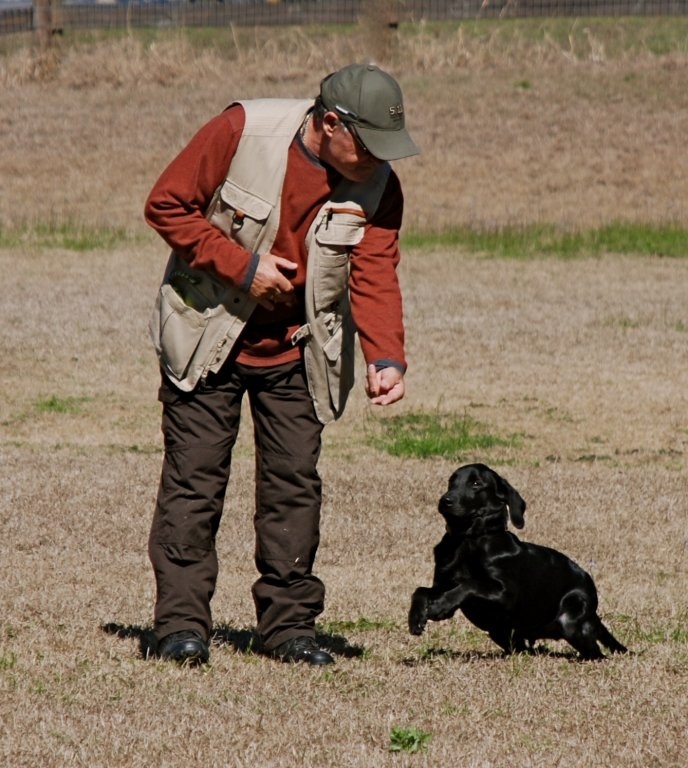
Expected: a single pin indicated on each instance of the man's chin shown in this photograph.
(360, 173)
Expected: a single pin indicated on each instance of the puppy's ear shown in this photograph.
(514, 501)
(517, 506)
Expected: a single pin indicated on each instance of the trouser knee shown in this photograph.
(287, 520)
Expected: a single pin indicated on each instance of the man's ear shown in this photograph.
(330, 121)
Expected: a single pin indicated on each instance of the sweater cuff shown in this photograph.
(380, 364)
(250, 272)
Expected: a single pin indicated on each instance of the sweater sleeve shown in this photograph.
(176, 205)
(376, 302)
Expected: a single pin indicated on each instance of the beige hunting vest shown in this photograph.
(198, 317)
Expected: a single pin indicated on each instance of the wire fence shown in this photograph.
(24, 15)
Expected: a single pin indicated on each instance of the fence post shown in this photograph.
(56, 17)
(381, 19)
(42, 23)
(384, 13)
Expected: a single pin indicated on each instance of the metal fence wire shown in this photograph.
(21, 15)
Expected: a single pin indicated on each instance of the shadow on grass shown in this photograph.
(241, 640)
(144, 635)
(247, 641)
(427, 655)
(339, 645)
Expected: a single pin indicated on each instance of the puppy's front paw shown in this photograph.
(418, 613)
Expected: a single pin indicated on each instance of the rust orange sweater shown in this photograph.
(175, 209)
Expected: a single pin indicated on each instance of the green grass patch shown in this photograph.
(612, 37)
(359, 625)
(547, 240)
(609, 37)
(408, 739)
(54, 404)
(424, 435)
(71, 236)
(634, 632)
(7, 661)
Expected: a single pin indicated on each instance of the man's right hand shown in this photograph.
(270, 284)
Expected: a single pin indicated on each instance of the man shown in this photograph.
(283, 218)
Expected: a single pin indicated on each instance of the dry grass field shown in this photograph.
(583, 361)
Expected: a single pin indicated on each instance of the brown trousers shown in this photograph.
(200, 429)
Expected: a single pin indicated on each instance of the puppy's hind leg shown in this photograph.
(509, 640)
(579, 625)
(502, 638)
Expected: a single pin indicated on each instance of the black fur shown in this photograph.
(517, 592)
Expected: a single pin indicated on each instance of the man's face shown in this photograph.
(344, 151)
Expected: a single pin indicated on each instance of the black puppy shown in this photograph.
(517, 592)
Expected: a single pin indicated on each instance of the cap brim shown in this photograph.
(387, 145)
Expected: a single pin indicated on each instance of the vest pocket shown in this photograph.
(195, 322)
(241, 215)
(180, 332)
(331, 282)
(337, 234)
(339, 353)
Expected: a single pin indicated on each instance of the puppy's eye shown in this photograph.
(474, 483)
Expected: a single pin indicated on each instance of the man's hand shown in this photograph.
(385, 386)
(270, 285)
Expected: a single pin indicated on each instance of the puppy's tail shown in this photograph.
(608, 640)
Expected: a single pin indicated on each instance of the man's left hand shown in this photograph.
(385, 386)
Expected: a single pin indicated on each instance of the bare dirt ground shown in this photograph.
(585, 361)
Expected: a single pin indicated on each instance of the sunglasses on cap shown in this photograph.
(347, 121)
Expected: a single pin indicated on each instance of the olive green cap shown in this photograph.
(371, 100)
